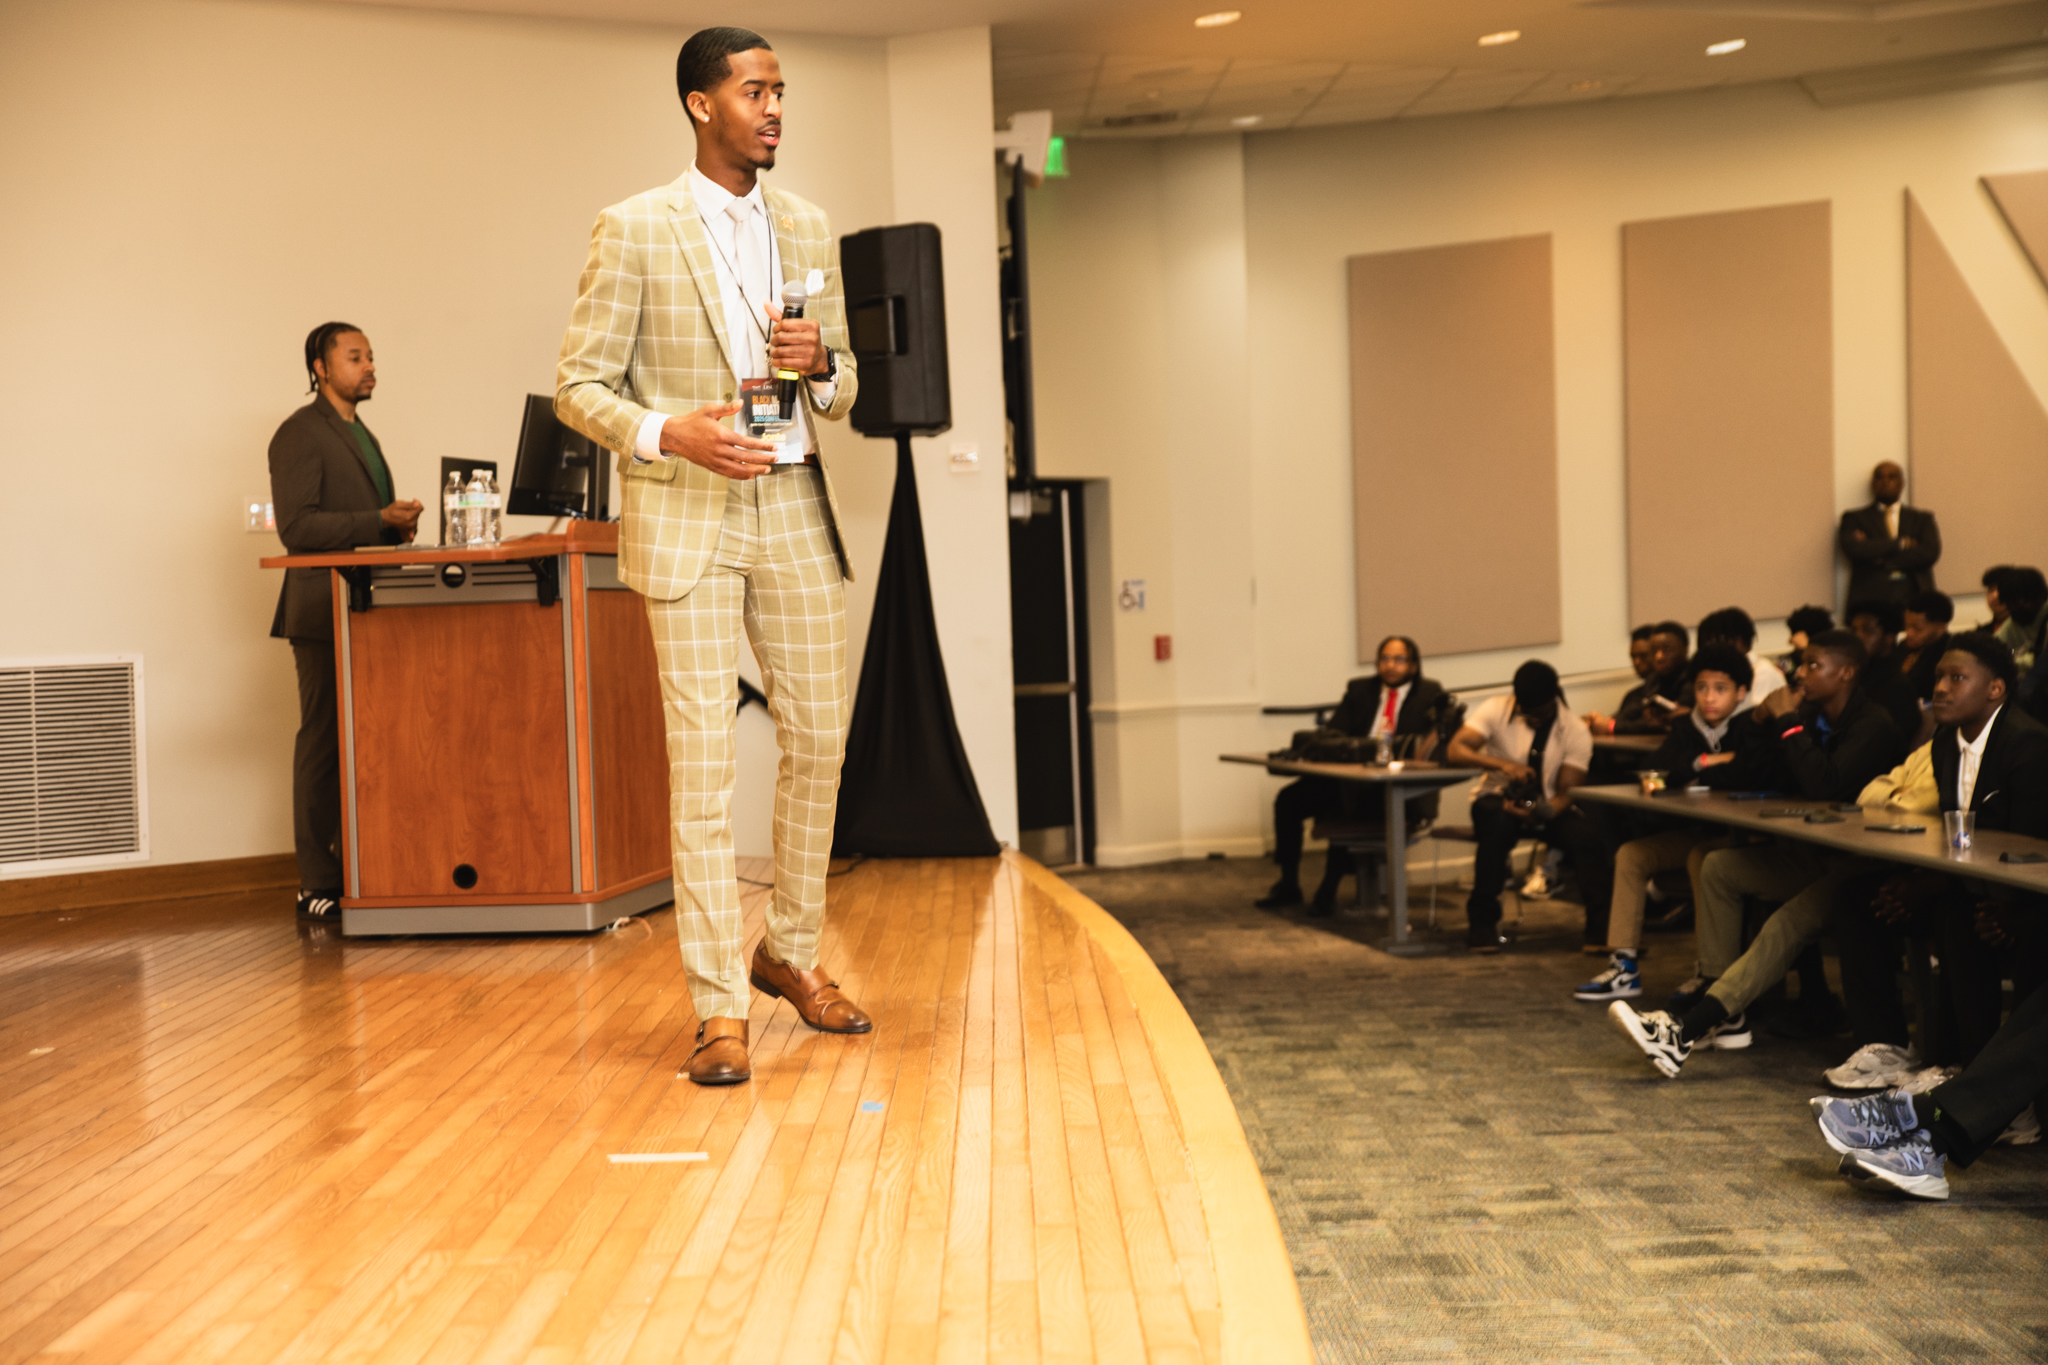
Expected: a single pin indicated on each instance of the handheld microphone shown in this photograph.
(794, 297)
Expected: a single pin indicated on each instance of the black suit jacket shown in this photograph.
(1864, 744)
(324, 499)
(1354, 715)
(2012, 780)
(1878, 568)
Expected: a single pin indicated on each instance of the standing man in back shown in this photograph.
(330, 489)
(1891, 548)
(680, 301)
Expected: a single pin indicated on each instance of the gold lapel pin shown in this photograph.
(788, 223)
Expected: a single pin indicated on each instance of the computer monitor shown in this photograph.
(558, 472)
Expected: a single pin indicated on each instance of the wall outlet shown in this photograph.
(258, 515)
(1130, 594)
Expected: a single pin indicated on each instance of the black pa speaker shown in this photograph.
(896, 312)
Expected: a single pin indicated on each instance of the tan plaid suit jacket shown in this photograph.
(645, 335)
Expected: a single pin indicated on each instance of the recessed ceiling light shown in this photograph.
(1723, 49)
(1245, 120)
(1506, 35)
(1219, 18)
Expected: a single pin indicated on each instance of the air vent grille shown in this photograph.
(71, 763)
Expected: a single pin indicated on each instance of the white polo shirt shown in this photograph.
(1509, 735)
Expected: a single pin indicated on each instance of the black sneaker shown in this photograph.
(1285, 894)
(324, 905)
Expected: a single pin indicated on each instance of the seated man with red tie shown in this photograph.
(1397, 700)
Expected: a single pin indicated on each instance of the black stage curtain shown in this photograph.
(906, 790)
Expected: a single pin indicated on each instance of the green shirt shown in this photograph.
(378, 473)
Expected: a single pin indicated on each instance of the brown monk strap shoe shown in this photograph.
(816, 996)
(721, 1055)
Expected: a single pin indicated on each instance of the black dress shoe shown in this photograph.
(1322, 907)
(1483, 938)
(1284, 895)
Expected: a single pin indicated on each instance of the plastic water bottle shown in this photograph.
(494, 507)
(455, 535)
(477, 521)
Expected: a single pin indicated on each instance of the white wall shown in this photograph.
(1140, 233)
(190, 185)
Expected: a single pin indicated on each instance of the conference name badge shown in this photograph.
(765, 418)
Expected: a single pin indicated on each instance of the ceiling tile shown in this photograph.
(1469, 90)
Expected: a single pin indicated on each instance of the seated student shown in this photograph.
(2023, 593)
(1535, 751)
(1732, 626)
(1993, 576)
(1802, 625)
(1649, 707)
(1831, 741)
(1926, 622)
(1904, 1142)
(1716, 748)
(1877, 624)
(1985, 756)
(1396, 700)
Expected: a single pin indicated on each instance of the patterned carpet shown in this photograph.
(1469, 1165)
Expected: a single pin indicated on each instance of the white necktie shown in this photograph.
(753, 267)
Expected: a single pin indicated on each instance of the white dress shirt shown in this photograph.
(1766, 678)
(1891, 519)
(745, 324)
(1971, 758)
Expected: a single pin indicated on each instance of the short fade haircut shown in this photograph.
(1673, 628)
(1729, 623)
(1934, 606)
(2023, 588)
(1536, 685)
(1889, 615)
(1724, 659)
(1993, 574)
(706, 59)
(319, 342)
(1642, 633)
(1844, 645)
(1810, 621)
(1989, 650)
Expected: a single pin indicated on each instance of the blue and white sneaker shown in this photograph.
(1911, 1166)
(1656, 1033)
(1622, 980)
(1860, 1125)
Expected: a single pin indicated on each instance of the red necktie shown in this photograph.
(1390, 710)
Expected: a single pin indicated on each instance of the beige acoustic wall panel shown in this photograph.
(1978, 431)
(1729, 351)
(2023, 199)
(1454, 446)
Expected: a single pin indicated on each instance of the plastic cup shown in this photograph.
(1960, 826)
(1653, 780)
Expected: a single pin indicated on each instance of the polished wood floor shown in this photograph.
(227, 1137)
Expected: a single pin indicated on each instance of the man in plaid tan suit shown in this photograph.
(677, 304)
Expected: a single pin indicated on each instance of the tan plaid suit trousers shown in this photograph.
(712, 556)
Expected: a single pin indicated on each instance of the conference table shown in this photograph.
(1629, 744)
(1843, 830)
(1398, 781)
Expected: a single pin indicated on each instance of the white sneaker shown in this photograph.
(1731, 1034)
(2023, 1131)
(1925, 1079)
(1874, 1066)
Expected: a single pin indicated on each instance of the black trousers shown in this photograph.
(1584, 839)
(1972, 995)
(316, 769)
(2007, 1076)
(1309, 798)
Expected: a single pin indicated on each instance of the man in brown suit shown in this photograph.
(331, 489)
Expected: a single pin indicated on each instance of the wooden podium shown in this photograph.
(504, 761)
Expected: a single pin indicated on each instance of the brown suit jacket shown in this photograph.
(324, 499)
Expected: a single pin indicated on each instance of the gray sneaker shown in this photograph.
(1858, 1125)
(1656, 1033)
(1874, 1066)
(1911, 1166)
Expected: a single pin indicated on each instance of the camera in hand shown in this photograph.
(1526, 792)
